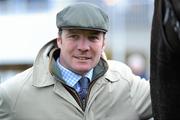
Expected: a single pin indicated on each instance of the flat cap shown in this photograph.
(82, 16)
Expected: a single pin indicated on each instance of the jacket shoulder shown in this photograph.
(119, 69)
(137, 88)
(12, 86)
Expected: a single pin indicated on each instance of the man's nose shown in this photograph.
(83, 44)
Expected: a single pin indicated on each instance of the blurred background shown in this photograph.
(26, 25)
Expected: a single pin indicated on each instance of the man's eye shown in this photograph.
(93, 38)
(74, 36)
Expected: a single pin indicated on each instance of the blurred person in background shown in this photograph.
(70, 80)
(137, 63)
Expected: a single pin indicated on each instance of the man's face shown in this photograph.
(80, 49)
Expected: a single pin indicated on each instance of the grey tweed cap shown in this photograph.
(82, 16)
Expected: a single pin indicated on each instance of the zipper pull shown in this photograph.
(83, 104)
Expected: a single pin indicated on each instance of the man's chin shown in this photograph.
(82, 71)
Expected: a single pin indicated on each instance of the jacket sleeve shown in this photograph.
(140, 94)
(5, 107)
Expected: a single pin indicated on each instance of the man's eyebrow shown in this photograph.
(95, 32)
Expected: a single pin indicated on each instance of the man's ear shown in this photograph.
(103, 55)
(59, 41)
(104, 44)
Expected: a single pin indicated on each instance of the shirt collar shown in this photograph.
(70, 77)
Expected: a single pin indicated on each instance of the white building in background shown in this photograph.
(25, 28)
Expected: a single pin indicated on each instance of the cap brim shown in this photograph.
(84, 28)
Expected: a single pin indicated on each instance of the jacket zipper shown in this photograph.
(76, 96)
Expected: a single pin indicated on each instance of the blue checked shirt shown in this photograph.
(72, 78)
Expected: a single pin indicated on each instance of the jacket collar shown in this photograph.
(41, 75)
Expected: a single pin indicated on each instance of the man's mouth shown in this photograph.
(82, 58)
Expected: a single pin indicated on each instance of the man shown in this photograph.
(55, 89)
(165, 60)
